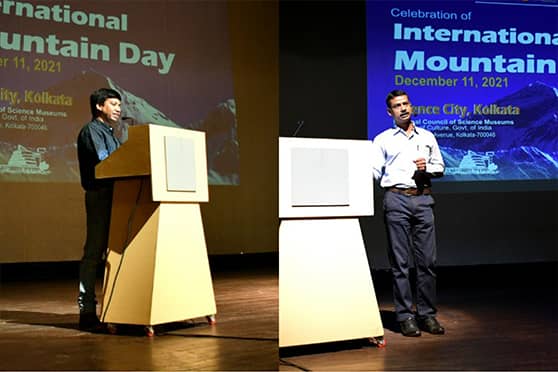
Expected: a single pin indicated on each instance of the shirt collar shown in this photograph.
(397, 130)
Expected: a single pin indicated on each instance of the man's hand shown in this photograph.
(420, 163)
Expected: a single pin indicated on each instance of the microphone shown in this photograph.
(300, 124)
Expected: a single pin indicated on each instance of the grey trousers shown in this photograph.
(410, 229)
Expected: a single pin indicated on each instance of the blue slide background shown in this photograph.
(526, 148)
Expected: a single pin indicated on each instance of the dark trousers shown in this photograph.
(410, 228)
(98, 205)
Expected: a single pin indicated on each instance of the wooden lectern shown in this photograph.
(326, 292)
(157, 268)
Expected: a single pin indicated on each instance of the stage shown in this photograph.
(497, 317)
(39, 318)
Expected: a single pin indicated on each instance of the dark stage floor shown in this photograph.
(502, 317)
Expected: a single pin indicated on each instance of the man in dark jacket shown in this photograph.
(96, 141)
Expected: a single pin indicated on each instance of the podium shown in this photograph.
(326, 292)
(157, 269)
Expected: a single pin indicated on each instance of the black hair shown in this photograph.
(393, 94)
(99, 97)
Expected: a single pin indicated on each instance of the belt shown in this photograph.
(410, 191)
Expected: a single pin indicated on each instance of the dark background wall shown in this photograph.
(296, 61)
(322, 81)
(46, 222)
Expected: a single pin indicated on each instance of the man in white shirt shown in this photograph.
(405, 159)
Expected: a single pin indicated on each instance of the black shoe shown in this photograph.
(431, 325)
(89, 322)
(409, 327)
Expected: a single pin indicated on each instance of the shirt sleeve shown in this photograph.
(435, 165)
(377, 159)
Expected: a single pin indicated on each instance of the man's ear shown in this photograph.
(389, 112)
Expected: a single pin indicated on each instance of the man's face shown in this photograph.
(110, 110)
(400, 109)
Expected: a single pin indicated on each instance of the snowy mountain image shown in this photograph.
(60, 126)
(528, 149)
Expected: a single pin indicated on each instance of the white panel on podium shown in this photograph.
(158, 135)
(320, 177)
(332, 197)
(180, 164)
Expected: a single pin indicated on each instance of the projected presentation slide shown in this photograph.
(481, 76)
(170, 60)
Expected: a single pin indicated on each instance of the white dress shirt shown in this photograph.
(394, 153)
